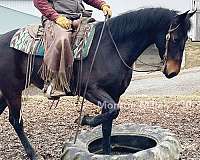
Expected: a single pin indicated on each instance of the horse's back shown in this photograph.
(5, 50)
(6, 38)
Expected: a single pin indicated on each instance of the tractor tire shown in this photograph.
(165, 145)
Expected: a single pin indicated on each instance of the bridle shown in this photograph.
(168, 37)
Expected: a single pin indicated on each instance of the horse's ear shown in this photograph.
(189, 15)
(181, 17)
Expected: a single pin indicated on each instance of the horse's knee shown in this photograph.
(16, 123)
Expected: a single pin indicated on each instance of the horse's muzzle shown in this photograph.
(171, 68)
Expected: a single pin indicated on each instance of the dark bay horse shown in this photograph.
(132, 32)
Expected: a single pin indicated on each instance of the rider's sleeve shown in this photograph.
(95, 3)
(46, 10)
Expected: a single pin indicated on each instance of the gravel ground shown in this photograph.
(48, 129)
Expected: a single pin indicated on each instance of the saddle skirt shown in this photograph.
(29, 40)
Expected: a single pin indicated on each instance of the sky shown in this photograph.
(120, 6)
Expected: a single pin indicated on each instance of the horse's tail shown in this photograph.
(3, 103)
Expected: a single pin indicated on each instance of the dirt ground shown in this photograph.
(48, 130)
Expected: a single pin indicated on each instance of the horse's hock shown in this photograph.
(129, 142)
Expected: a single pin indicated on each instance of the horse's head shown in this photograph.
(172, 44)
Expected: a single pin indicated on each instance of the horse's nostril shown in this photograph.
(171, 75)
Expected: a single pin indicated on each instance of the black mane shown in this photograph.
(147, 19)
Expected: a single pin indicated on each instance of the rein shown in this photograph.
(120, 56)
(88, 78)
(168, 36)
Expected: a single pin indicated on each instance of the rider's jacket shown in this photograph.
(70, 8)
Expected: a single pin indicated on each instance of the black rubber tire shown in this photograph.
(167, 148)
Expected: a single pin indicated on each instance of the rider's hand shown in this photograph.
(106, 10)
(64, 22)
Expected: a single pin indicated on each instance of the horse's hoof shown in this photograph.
(83, 120)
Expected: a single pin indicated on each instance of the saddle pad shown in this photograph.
(83, 40)
(25, 39)
(29, 41)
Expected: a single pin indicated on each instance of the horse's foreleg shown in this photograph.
(110, 111)
(105, 101)
(106, 130)
(14, 105)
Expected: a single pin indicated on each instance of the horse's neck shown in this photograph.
(133, 43)
(135, 47)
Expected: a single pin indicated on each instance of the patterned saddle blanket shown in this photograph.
(30, 40)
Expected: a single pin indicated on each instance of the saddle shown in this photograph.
(29, 39)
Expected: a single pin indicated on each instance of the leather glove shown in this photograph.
(64, 22)
(106, 10)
